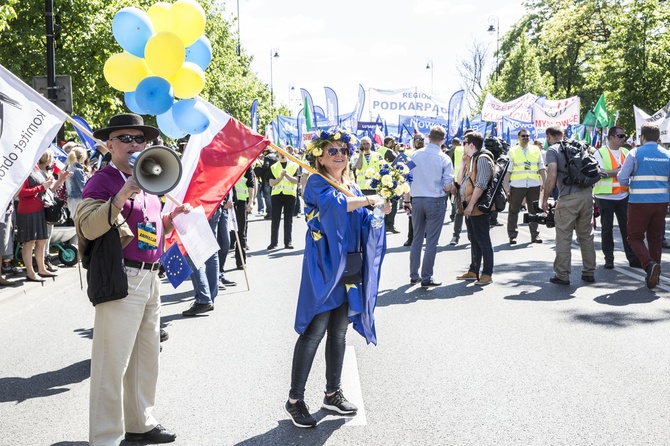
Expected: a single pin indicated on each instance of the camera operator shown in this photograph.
(524, 179)
(574, 212)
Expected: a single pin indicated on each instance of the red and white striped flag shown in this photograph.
(214, 160)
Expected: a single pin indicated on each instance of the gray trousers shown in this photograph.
(427, 219)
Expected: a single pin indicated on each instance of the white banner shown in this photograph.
(28, 124)
(563, 117)
(520, 108)
(390, 104)
(660, 118)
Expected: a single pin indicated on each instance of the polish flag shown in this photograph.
(214, 160)
(379, 135)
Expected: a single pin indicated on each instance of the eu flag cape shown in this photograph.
(332, 232)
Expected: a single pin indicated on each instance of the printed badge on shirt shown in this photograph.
(146, 236)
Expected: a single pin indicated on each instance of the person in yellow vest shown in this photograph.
(386, 151)
(367, 159)
(284, 177)
(524, 179)
(612, 198)
(456, 154)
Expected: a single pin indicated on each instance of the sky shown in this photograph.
(383, 44)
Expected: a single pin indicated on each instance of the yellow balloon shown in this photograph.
(188, 20)
(124, 71)
(164, 53)
(188, 81)
(159, 13)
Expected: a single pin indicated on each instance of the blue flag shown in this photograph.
(176, 268)
(88, 142)
(254, 115)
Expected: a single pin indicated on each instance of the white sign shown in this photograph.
(660, 118)
(520, 108)
(28, 124)
(390, 104)
(562, 117)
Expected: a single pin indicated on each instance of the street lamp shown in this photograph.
(291, 89)
(429, 66)
(273, 55)
(495, 29)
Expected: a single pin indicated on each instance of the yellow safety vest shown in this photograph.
(242, 189)
(458, 157)
(284, 186)
(519, 163)
(610, 186)
(375, 163)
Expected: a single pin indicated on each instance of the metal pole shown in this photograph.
(272, 87)
(498, 50)
(239, 44)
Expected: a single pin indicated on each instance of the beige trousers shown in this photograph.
(124, 361)
(574, 214)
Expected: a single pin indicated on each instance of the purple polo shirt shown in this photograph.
(104, 185)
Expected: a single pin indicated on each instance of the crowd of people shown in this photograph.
(633, 185)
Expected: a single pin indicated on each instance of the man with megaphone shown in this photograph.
(120, 222)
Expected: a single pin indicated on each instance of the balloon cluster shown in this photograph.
(165, 57)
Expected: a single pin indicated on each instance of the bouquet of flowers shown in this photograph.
(391, 181)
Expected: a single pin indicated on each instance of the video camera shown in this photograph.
(540, 218)
(497, 146)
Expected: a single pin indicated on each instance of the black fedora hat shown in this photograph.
(126, 121)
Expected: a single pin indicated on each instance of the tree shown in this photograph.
(521, 74)
(633, 69)
(7, 13)
(471, 71)
(86, 42)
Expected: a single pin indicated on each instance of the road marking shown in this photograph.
(351, 385)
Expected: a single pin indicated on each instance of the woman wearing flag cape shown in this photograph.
(340, 272)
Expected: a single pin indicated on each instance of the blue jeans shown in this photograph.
(223, 237)
(608, 209)
(480, 243)
(206, 279)
(335, 322)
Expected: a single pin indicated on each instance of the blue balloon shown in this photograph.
(131, 103)
(190, 116)
(154, 95)
(200, 53)
(167, 125)
(132, 28)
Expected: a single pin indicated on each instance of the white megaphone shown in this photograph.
(157, 169)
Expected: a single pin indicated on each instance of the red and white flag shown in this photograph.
(214, 160)
(28, 124)
(379, 135)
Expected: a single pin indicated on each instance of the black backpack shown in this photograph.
(580, 166)
(494, 198)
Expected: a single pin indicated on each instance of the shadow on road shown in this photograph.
(45, 384)
(622, 298)
(287, 434)
(71, 443)
(401, 295)
(615, 319)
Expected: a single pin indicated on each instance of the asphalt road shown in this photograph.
(518, 362)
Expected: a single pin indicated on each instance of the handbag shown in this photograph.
(353, 270)
(54, 208)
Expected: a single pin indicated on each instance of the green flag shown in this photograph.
(589, 119)
(600, 111)
(308, 115)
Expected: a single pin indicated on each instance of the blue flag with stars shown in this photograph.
(176, 268)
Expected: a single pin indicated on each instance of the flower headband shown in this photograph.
(314, 148)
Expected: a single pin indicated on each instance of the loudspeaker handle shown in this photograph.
(173, 199)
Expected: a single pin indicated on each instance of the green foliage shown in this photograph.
(86, 42)
(521, 74)
(588, 47)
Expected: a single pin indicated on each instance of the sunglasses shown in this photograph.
(524, 136)
(343, 150)
(620, 136)
(418, 139)
(127, 139)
